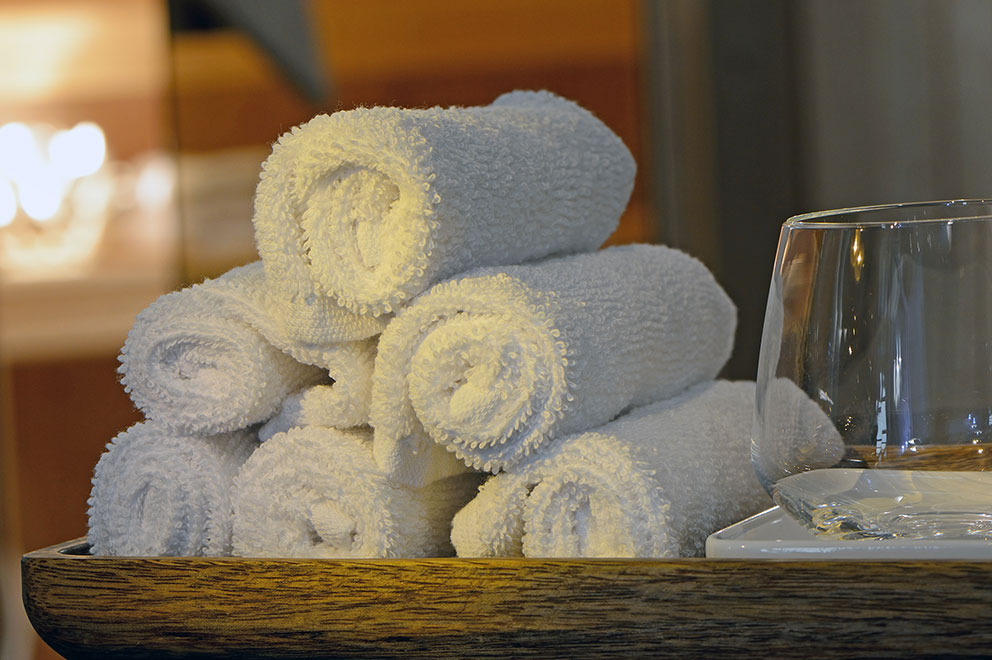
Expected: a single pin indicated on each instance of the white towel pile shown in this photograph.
(158, 492)
(316, 492)
(432, 306)
(371, 206)
(655, 482)
(495, 363)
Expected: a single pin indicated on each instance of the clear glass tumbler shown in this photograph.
(874, 391)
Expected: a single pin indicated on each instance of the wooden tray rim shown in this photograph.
(88, 606)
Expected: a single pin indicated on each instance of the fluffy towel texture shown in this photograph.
(495, 363)
(342, 404)
(370, 206)
(316, 492)
(217, 356)
(327, 406)
(159, 493)
(653, 483)
(292, 325)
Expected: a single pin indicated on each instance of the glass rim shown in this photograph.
(845, 217)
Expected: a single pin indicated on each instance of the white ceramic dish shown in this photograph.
(772, 534)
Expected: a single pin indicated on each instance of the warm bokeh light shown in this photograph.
(56, 183)
(59, 191)
(18, 150)
(79, 151)
(42, 182)
(92, 194)
(40, 70)
(156, 183)
(8, 203)
(66, 49)
(40, 193)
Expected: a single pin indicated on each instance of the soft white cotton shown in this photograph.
(316, 492)
(217, 356)
(304, 329)
(653, 483)
(298, 326)
(342, 404)
(328, 406)
(159, 493)
(495, 363)
(188, 364)
(370, 206)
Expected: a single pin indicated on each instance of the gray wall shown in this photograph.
(761, 109)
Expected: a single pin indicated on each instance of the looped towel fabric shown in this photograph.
(653, 483)
(371, 206)
(494, 364)
(316, 492)
(156, 492)
(216, 357)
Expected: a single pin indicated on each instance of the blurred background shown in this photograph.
(131, 134)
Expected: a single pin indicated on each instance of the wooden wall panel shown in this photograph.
(64, 413)
(228, 94)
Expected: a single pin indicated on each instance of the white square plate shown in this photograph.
(772, 534)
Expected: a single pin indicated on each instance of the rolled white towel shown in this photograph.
(653, 483)
(300, 327)
(371, 206)
(159, 493)
(493, 364)
(303, 328)
(342, 404)
(326, 406)
(316, 492)
(216, 357)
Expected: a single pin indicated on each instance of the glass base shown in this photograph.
(852, 504)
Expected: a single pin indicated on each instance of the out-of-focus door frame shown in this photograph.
(723, 154)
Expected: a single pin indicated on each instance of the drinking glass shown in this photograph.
(873, 412)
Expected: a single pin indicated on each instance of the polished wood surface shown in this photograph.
(975, 457)
(132, 607)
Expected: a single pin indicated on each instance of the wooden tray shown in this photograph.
(133, 607)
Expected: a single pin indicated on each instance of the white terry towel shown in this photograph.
(372, 205)
(493, 364)
(327, 406)
(301, 328)
(653, 483)
(341, 404)
(213, 357)
(316, 492)
(159, 493)
(298, 327)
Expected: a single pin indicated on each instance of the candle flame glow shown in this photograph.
(42, 177)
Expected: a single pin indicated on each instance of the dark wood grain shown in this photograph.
(967, 458)
(106, 607)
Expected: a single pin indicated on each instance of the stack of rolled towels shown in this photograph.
(434, 356)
